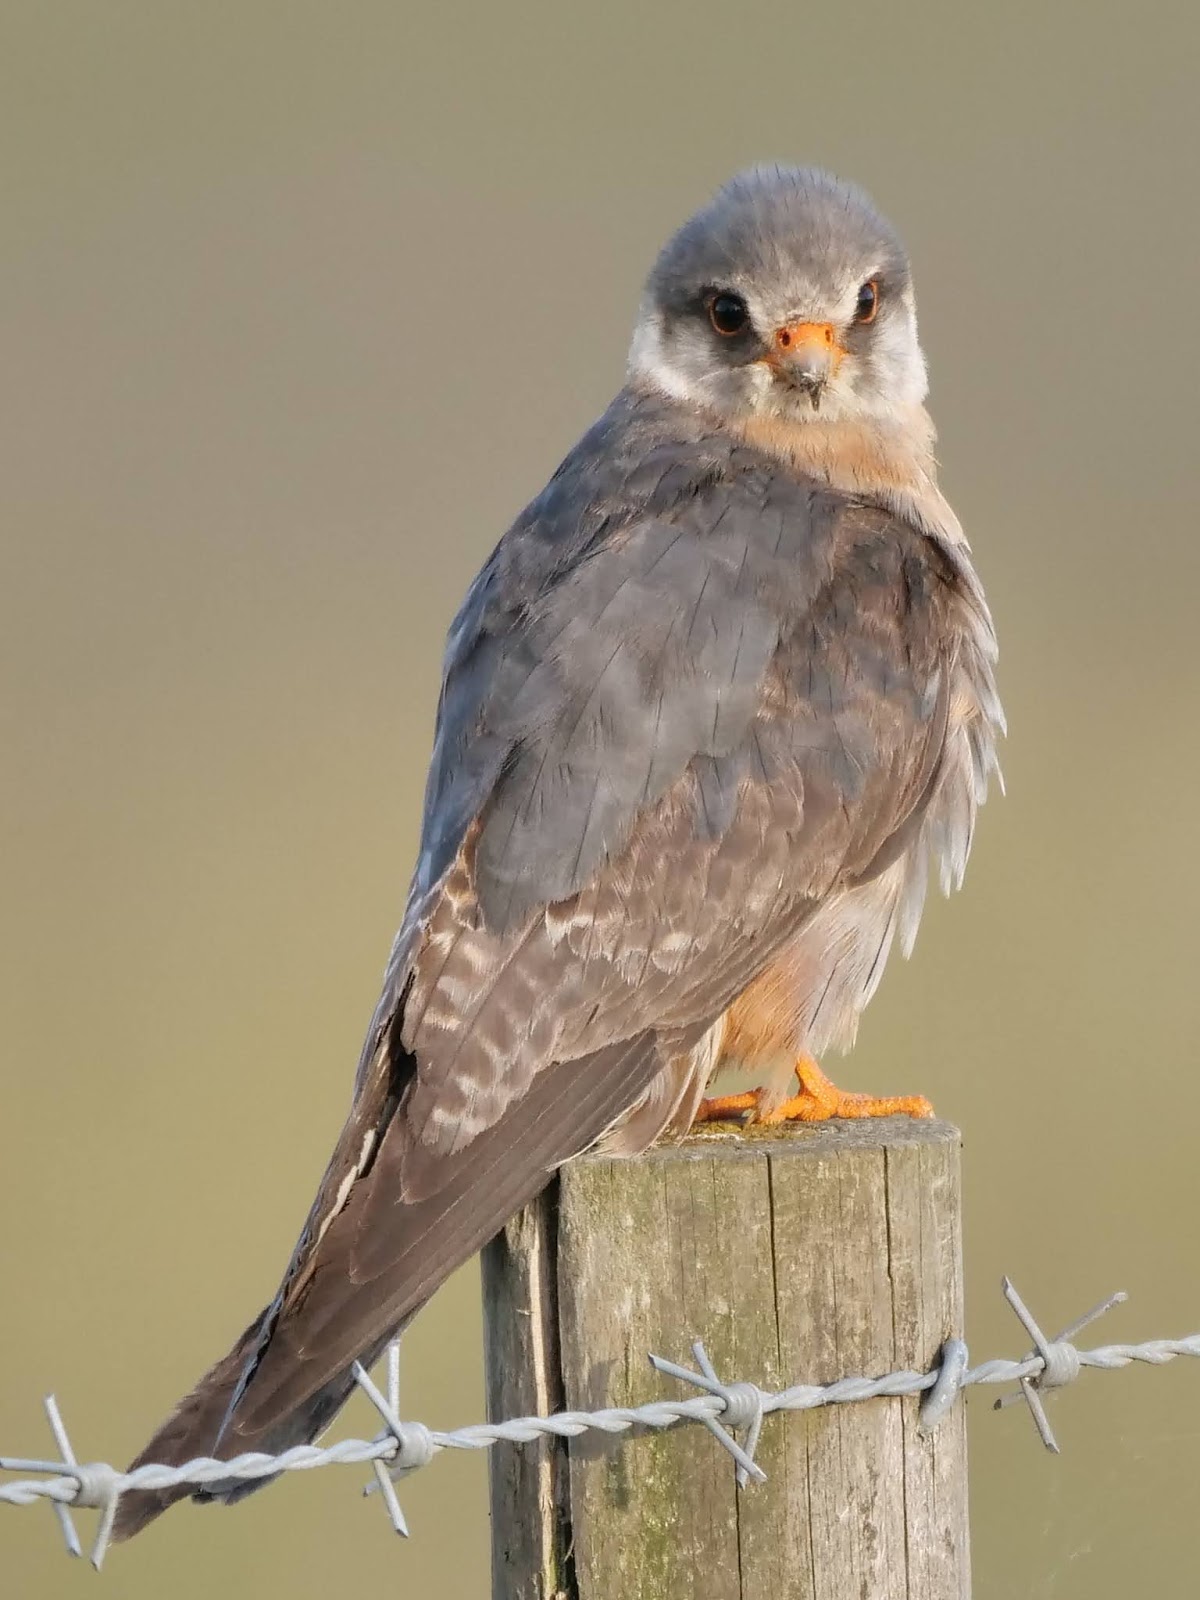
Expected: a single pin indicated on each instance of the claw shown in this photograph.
(819, 1100)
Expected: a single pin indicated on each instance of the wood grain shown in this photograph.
(814, 1255)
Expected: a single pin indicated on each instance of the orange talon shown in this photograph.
(728, 1107)
(807, 1108)
(818, 1101)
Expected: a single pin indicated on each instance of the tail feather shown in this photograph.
(375, 1266)
(191, 1430)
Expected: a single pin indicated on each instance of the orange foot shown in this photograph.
(817, 1101)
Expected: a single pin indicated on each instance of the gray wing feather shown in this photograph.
(619, 633)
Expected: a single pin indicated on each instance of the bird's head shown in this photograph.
(787, 297)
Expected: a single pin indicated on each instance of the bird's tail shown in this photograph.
(195, 1426)
(399, 1222)
(190, 1430)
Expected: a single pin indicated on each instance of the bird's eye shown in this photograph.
(728, 313)
(868, 302)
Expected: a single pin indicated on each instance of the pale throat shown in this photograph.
(888, 461)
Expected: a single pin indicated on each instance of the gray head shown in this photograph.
(787, 296)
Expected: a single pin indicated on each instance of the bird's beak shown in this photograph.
(805, 355)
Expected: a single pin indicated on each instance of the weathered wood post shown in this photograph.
(801, 1258)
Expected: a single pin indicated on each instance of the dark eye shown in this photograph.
(728, 313)
(868, 302)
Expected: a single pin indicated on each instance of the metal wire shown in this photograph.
(403, 1447)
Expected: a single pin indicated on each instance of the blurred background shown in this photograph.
(299, 304)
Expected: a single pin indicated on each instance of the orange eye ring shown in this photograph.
(868, 302)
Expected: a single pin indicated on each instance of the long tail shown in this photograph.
(400, 1223)
(199, 1417)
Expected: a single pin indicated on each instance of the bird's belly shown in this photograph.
(809, 999)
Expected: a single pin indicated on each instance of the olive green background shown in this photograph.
(299, 303)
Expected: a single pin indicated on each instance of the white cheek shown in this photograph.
(645, 353)
(759, 383)
(683, 370)
(654, 370)
(650, 362)
(896, 372)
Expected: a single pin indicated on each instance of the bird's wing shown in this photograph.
(687, 697)
(684, 700)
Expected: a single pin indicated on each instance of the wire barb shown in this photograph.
(403, 1447)
(1056, 1360)
(388, 1410)
(741, 1406)
(94, 1485)
(411, 1444)
(59, 1430)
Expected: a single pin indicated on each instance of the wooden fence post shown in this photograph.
(799, 1258)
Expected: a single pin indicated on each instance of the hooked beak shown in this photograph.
(805, 355)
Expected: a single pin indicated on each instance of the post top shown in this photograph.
(723, 1143)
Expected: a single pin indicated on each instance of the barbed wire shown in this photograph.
(404, 1447)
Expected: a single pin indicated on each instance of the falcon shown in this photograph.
(716, 702)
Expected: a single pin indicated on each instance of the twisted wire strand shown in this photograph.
(404, 1447)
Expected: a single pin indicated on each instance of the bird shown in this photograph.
(717, 703)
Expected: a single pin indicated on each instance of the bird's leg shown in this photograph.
(818, 1101)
